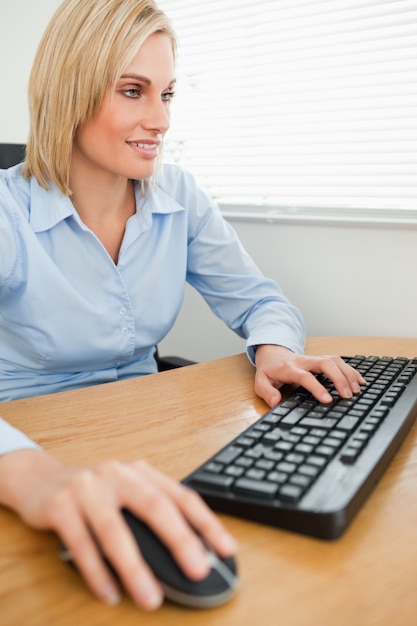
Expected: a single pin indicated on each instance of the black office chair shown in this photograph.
(14, 153)
(11, 154)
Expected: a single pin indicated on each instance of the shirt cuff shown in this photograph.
(251, 349)
(12, 439)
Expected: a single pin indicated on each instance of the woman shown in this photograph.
(96, 242)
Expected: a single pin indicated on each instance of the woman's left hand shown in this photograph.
(276, 366)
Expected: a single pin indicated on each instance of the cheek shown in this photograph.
(96, 136)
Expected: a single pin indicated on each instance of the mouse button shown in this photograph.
(152, 548)
(155, 553)
(230, 562)
(220, 578)
(223, 573)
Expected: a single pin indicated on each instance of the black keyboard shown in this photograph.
(308, 467)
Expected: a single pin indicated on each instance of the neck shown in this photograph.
(104, 203)
(97, 201)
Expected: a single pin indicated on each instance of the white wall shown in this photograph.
(22, 23)
(347, 279)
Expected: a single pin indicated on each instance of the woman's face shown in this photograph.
(124, 138)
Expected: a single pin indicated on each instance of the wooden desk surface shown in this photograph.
(177, 419)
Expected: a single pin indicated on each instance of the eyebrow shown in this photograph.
(144, 79)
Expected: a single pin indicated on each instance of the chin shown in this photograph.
(141, 173)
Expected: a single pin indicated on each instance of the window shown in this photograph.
(287, 105)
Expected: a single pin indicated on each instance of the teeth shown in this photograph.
(145, 146)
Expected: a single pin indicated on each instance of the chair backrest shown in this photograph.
(11, 154)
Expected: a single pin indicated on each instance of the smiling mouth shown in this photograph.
(144, 149)
(143, 146)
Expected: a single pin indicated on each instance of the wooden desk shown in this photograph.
(175, 420)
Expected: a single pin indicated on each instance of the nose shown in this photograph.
(157, 116)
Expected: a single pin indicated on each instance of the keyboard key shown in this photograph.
(295, 458)
(349, 455)
(297, 430)
(301, 480)
(318, 432)
(326, 451)
(280, 410)
(274, 455)
(258, 488)
(255, 474)
(304, 448)
(244, 461)
(333, 442)
(234, 470)
(216, 468)
(348, 423)
(313, 441)
(253, 453)
(265, 464)
(368, 428)
(272, 437)
(312, 422)
(309, 470)
(339, 434)
(356, 444)
(278, 477)
(271, 419)
(289, 436)
(245, 442)
(318, 461)
(293, 417)
(290, 493)
(228, 455)
(284, 446)
(361, 436)
(288, 468)
(214, 481)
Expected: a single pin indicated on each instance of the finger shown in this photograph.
(155, 507)
(96, 493)
(311, 383)
(354, 377)
(145, 499)
(346, 380)
(267, 390)
(192, 507)
(69, 524)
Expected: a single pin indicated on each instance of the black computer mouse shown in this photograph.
(218, 587)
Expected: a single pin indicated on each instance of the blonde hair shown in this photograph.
(83, 52)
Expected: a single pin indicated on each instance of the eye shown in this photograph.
(168, 95)
(132, 92)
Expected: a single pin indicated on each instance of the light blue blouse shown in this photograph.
(70, 317)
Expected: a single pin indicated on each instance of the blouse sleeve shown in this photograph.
(12, 439)
(231, 283)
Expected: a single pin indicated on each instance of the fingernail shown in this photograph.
(356, 387)
(150, 596)
(275, 400)
(347, 392)
(326, 397)
(199, 564)
(228, 543)
(111, 595)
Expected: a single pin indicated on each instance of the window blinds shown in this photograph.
(286, 103)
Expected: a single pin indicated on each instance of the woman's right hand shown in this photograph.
(82, 505)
